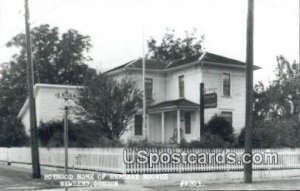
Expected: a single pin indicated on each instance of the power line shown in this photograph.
(276, 6)
(48, 12)
(18, 28)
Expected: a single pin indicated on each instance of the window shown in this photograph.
(226, 84)
(227, 115)
(187, 121)
(148, 88)
(138, 125)
(181, 86)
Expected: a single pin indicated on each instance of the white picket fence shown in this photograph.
(287, 159)
(111, 159)
(100, 159)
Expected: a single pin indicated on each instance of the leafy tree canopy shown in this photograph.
(281, 99)
(109, 103)
(172, 47)
(274, 133)
(57, 59)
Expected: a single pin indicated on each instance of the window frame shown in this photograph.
(227, 112)
(146, 93)
(181, 86)
(230, 84)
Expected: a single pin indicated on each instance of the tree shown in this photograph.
(281, 99)
(274, 133)
(108, 103)
(172, 47)
(58, 59)
(277, 107)
(12, 134)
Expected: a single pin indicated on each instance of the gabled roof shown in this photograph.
(210, 57)
(184, 61)
(150, 64)
(138, 63)
(173, 105)
(204, 57)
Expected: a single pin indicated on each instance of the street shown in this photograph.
(18, 178)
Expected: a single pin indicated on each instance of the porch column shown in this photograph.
(178, 126)
(147, 125)
(162, 127)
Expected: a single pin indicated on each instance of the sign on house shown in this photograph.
(66, 95)
(210, 100)
(68, 98)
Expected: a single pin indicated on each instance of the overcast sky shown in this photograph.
(116, 26)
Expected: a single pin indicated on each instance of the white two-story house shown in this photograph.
(173, 95)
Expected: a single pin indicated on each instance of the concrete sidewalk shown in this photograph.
(285, 184)
(18, 178)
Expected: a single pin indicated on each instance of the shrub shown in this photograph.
(12, 133)
(209, 140)
(275, 133)
(81, 134)
(221, 127)
(144, 144)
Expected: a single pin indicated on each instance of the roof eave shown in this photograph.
(230, 65)
(23, 109)
(115, 72)
(172, 108)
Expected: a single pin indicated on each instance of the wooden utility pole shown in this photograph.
(298, 106)
(201, 108)
(66, 135)
(36, 172)
(249, 92)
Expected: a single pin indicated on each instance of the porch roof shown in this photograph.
(172, 105)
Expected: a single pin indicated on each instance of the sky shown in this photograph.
(116, 27)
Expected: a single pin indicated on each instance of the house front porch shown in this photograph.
(173, 121)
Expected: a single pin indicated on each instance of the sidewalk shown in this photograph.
(18, 178)
(286, 184)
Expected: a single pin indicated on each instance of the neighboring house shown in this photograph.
(173, 95)
(49, 104)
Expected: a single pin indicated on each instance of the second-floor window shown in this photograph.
(181, 86)
(226, 84)
(149, 88)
